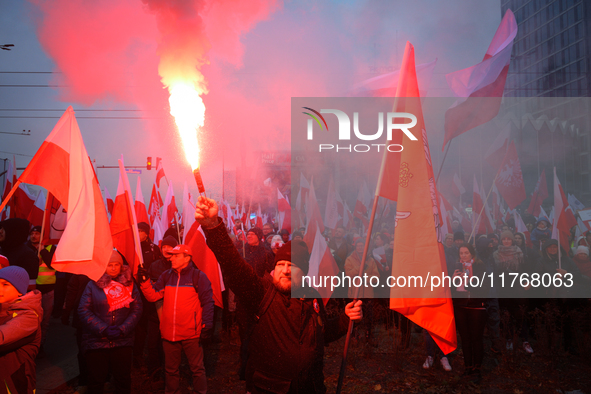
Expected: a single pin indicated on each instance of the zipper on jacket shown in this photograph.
(176, 293)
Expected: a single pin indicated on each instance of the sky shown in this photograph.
(103, 59)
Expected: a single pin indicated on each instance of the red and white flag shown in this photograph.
(9, 182)
(154, 206)
(476, 86)
(303, 194)
(126, 238)
(347, 217)
(110, 201)
(188, 208)
(480, 219)
(159, 172)
(457, 187)
(564, 219)
(205, 260)
(314, 217)
(520, 227)
(140, 206)
(170, 210)
(284, 212)
(363, 204)
(55, 221)
(36, 214)
(22, 202)
(538, 196)
(322, 265)
(496, 151)
(331, 212)
(509, 180)
(62, 167)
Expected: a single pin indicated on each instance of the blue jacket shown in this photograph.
(95, 317)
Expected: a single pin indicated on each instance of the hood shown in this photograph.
(124, 278)
(17, 232)
(29, 301)
(543, 219)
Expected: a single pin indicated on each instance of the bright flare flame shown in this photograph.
(189, 114)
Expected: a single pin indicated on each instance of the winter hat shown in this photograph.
(170, 241)
(507, 234)
(116, 257)
(459, 235)
(297, 253)
(582, 249)
(35, 228)
(257, 231)
(143, 226)
(550, 242)
(17, 276)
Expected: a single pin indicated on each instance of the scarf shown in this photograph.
(118, 296)
(509, 258)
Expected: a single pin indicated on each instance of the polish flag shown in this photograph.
(543, 214)
(496, 202)
(480, 88)
(23, 201)
(284, 212)
(205, 260)
(154, 207)
(109, 201)
(479, 221)
(457, 187)
(62, 167)
(36, 214)
(362, 205)
(496, 152)
(331, 212)
(170, 210)
(445, 222)
(303, 194)
(520, 227)
(159, 172)
(314, 217)
(259, 218)
(126, 238)
(509, 180)
(55, 221)
(419, 236)
(322, 265)
(564, 219)
(141, 213)
(347, 218)
(9, 182)
(188, 208)
(539, 195)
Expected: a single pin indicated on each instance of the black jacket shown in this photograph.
(286, 346)
(15, 249)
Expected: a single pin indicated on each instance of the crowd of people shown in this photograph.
(168, 309)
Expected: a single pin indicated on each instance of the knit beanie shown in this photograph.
(582, 249)
(143, 226)
(257, 231)
(297, 253)
(17, 276)
(507, 234)
(35, 228)
(170, 241)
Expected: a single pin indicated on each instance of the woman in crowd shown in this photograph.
(109, 310)
(469, 310)
(509, 260)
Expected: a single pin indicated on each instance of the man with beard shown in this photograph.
(286, 349)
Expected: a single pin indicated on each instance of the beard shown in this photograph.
(282, 287)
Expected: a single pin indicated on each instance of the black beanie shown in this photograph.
(170, 241)
(257, 231)
(143, 226)
(297, 253)
(35, 228)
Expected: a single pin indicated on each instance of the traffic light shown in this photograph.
(149, 165)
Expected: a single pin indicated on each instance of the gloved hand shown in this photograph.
(113, 332)
(65, 318)
(206, 334)
(142, 274)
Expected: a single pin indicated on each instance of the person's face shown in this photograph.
(542, 225)
(298, 238)
(2, 234)
(8, 292)
(530, 227)
(459, 242)
(339, 233)
(518, 240)
(552, 249)
(179, 261)
(35, 236)
(166, 249)
(283, 275)
(285, 238)
(359, 248)
(449, 241)
(143, 236)
(504, 228)
(507, 241)
(583, 242)
(267, 230)
(581, 256)
(465, 254)
(113, 268)
(252, 239)
(379, 242)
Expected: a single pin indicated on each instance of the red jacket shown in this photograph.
(188, 302)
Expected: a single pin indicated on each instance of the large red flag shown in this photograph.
(141, 213)
(61, 165)
(154, 206)
(509, 180)
(418, 247)
(539, 195)
(159, 172)
(124, 223)
(170, 210)
(109, 201)
(22, 202)
(564, 219)
(35, 216)
(205, 260)
(476, 86)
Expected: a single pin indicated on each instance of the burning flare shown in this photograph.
(189, 114)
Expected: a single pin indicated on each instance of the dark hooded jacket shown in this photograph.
(548, 265)
(537, 235)
(15, 249)
(95, 317)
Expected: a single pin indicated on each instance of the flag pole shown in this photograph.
(443, 161)
(9, 196)
(42, 226)
(356, 294)
(559, 254)
(483, 205)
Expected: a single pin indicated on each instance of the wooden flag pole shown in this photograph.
(42, 226)
(7, 199)
(356, 294)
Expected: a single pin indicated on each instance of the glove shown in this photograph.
(206, 334)
(113, 332)
(65, 318)
(142, 274)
